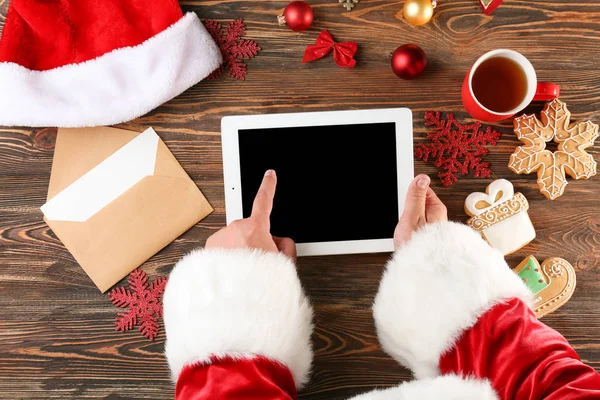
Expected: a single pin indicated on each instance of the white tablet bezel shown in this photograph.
(402, 117)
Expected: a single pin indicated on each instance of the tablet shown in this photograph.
(342, 176)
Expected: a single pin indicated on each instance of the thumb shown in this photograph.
(286, 246)
(416, 198)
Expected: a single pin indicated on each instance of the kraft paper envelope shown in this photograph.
(116, 198)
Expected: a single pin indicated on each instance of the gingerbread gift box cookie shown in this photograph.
(551, 283)
(500, 215)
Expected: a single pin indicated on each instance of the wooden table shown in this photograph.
(57, 338)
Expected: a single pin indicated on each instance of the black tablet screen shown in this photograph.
(334, 183)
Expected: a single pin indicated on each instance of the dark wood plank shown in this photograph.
(56, 330)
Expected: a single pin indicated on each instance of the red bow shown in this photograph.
(343, 53)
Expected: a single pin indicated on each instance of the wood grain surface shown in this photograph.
(57, 338)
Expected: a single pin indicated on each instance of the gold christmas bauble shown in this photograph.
(418, 12)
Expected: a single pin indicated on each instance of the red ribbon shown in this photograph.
(343, 53)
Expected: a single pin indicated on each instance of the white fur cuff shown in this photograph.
(449, 387)
(436, 287)
(238, 303)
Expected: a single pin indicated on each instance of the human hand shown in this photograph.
(422, 207)
(254, 232)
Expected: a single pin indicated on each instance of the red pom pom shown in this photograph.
(298, 16)
(409, 61)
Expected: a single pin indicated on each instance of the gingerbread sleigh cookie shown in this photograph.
(551, 283)
(500, 216)
(552, 167)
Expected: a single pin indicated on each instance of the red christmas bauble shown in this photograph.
(298, 16)
(409, 61)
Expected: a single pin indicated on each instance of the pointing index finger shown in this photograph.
(263, 202)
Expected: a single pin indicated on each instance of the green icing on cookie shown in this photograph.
(531, 274)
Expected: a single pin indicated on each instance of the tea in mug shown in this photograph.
(499, 84)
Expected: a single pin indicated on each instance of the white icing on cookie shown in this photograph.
(497, 192)
(501, 216)
(510, 234)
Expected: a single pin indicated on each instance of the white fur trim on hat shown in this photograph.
(448, 387)
(435, 287)
(237, 303)
(113, 88)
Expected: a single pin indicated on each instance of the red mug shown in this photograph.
(532, 90)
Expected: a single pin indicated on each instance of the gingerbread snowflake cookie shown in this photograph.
(551, 283)
(552, 167)
(500, 215)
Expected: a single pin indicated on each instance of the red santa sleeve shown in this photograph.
(238, 325)
(449, 304)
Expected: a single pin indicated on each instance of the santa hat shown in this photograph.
(78, 63)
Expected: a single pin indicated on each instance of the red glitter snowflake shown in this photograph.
(233, 48)
(456, 148)
(145, 304)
